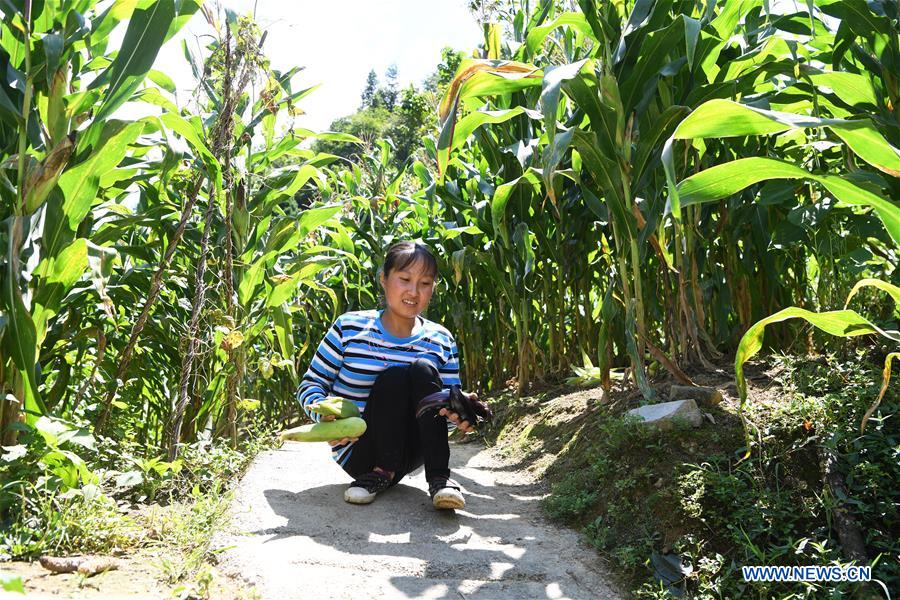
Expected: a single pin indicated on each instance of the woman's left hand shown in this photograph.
(463, 426)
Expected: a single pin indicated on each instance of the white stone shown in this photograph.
(662, 414)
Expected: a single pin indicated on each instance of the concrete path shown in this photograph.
(292, 535)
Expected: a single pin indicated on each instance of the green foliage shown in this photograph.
(565, 223)
(11, 583)
(688, 493)
(82, 520)
(42, 516)
(438, 81)
(386, 112)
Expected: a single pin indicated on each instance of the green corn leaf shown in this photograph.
(329, 136)
(724, 118)
(841, 323)
(604, 119)
(691, 37)
(20, 337)
(772, 51)
(884, 286)
(192, 132)
(283, 291)
(281, 320)
(80, 183)
(106, 22)
(724, 180)
(249, 281)
(53, 47)
(288, 181)
(730, 14)
(604, 172)
(477, 78)
(649, 141)
(654, 55)
(537, 35)
(553, 80)
(852, 88)
(146, 33)
(501, 198)
(313, 218)
(468, 124)
(57, 277)
(162, 80)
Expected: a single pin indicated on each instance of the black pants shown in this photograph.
(395, 439)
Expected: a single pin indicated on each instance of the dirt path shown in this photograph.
(291, 535)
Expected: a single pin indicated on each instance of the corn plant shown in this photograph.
(58, 95)
(600, 91)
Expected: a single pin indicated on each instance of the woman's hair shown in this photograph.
(403, 254)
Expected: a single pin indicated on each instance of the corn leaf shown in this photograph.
(468, 124)
(80, 183)
(884, 286)
(852, 88)
(536, 36)
(501, 198)
(20, 339)
(476, 78)
(723, 118)
(885, 378)
(146, 33)
(841, 323)
(724, 180)
(58, 275)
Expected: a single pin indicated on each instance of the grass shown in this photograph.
(166, 514)
(642, 497)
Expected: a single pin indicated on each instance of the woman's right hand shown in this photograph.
(341, 441)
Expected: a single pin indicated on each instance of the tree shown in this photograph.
(390, 92)
(446, 69)
(409, 123)
(370, 98)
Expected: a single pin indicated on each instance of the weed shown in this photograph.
(634, 491)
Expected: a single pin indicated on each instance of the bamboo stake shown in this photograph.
(222, 132)
(173, 428)
(228, 268)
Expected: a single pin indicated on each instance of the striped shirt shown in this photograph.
(357, 348)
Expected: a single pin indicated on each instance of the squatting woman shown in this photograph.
(393, 364)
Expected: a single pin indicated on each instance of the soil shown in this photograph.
(140, 575)
(135, 577)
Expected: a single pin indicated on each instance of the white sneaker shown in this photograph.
(446, 494)
(364, 489)
(358, 495)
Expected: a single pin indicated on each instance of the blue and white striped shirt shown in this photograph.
(357, 348)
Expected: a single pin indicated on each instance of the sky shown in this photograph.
(339, 42)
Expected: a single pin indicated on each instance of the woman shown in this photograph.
(387, 361)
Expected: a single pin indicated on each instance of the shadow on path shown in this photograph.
(400, 546)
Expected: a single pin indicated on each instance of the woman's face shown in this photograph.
(407, 292)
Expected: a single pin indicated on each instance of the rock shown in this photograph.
(97, 564)
(86, 565)
(663, 414)
(62, 564)
(705, 395)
